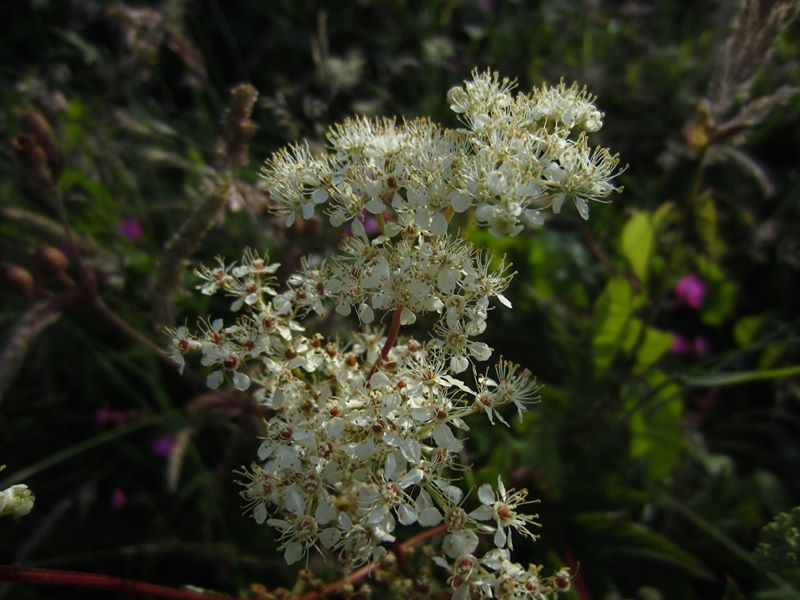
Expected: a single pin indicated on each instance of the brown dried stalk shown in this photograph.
(22, 337)
(233, 151)
(748, 47)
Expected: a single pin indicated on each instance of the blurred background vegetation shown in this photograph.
(665, 330)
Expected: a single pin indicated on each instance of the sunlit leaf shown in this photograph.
(637, 243)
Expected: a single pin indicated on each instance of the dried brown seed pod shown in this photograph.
(17, 278)
(51, 259)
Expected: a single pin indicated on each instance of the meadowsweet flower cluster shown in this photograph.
(495, 575)
(365, 433)
(518, 155)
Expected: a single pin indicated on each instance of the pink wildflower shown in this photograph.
(118, 499)
(700, 347)
(690, 290)
(130, 228)
(371, 224)
(680, 345)
(162, 446)
(109, 416)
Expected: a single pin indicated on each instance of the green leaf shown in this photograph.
(737, 377)
(656, 343)
(649, 346)
(707, 224)
(540, 448)
(637, 243)
(623, 537)
(719, 303)
(98, 208)
(721, 292)
(656, 437)
(662, 216)
(612, 316)
(632, 334)
(746, 328)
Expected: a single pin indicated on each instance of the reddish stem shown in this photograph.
(132, 586)
(577, 580)
(391, 338)
(103, 582)
(368, 570)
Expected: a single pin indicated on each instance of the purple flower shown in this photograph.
(130, 228)
(680, 345)
(371, 224)
(109, 416)
(700, 347)
(697, 348)
(117, 499)
(162, 446)
(690, 290)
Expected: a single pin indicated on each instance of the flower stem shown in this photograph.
(391, 338)
(103, 582)
(368, 570)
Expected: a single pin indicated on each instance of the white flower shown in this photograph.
(501, 506)
(16, 501)
(466, 577)
(297, 536)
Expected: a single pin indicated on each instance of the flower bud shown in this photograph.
(17, 278)
(34, 123)
(17, 501)
(562, 581)
(40, 135)
(29, 152)
(51, 259)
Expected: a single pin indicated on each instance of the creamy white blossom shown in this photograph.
(365, 433)
(16, 501)
(519, 154)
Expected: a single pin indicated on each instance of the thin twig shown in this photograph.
(368, 570)
(88, 278)
(103, 582)
(391, 338)
(601, 256)
(125, 328)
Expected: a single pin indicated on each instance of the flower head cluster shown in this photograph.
(365, 433)
(495, 576)
(359, 440)
(519, 154)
